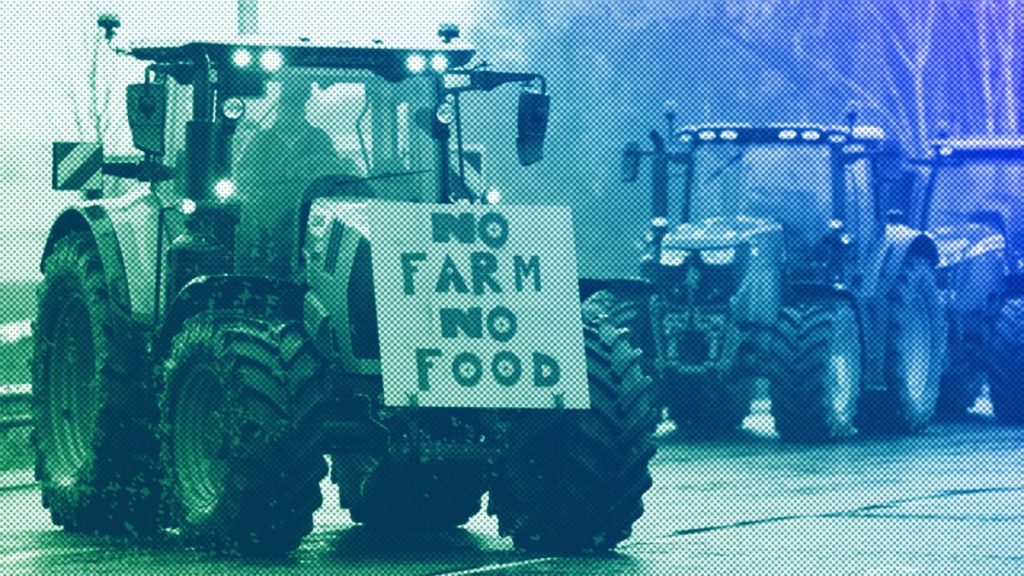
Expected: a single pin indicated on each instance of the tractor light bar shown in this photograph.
(673, 257)
(719, 257)
(869, 132)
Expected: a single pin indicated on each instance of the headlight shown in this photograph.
(224, 189)
(718, 257)
(439, 62)
(241, 58)
(233, 108)
(673, 257)
(415, 63)
(271, 60)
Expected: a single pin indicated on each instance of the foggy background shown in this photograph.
(912, 66)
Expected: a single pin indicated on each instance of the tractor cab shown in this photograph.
(243, 134)
(970, 197)
(803, 192)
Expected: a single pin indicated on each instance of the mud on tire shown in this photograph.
(814, 361)
(574, 480)
(1005, 366)
(93, 402)
(243, 466)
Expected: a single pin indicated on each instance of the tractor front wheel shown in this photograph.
(915, 352)
(574, 480)
(243, 469)
(814, 360)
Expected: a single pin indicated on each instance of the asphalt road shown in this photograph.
(950, 501)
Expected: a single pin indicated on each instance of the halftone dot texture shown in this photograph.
(813, 322)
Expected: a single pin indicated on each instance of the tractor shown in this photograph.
(782, 263)
(966, 200)
(301, 273)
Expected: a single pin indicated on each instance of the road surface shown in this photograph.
(950, 501)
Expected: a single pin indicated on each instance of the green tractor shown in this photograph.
(968, 203)
(783, 264)
(299, 263)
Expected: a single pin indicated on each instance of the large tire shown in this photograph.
(432, 496)
(93, 401)
(1005, 354)
(574, 481)
(814, 363)
(243, 465)
(713, 403)
(915, 335)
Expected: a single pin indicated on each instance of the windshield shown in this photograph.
(977, 187)
(786, 183)
(369, 136)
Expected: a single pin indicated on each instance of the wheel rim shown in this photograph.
(200, 442)
(844, 370)
(73, 392)
(914, 349)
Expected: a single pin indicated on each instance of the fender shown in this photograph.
(900, 242)
(94, 220)
(258, 296)
(125, 231)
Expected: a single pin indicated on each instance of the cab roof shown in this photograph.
(305, 52)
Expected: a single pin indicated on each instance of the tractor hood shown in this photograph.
(722, 232)
(966, 241)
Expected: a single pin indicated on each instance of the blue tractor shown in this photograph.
(968, 197)
(779, 259)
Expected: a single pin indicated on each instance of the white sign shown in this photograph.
(478, 306)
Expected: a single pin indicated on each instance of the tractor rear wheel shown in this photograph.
(1006, 363)
(574, 480)
(93, 401)
(243, 467)
(433, 496)
(915, 352)
(814, 360)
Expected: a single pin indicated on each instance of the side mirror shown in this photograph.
(534, 109)
(630, 168)
(147, 116)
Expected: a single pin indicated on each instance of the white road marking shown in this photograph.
(495, 567)
(15, 558)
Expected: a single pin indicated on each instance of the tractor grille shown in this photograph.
(693, 337)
